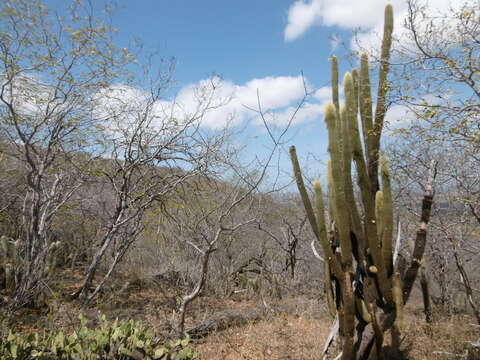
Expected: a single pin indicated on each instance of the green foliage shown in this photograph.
(109, 340)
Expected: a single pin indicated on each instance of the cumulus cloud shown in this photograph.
(240, 102)
(216, 103)
(33, 98)
(398, 116)
(352, 14)
(293, 114)
(301, 16)
(347, 14)
(323, 94)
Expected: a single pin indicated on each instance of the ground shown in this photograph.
(294, 327)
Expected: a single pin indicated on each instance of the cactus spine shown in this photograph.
(376, 298)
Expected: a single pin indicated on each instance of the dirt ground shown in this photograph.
(295, 327)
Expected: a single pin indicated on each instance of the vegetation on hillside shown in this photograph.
(113, 203)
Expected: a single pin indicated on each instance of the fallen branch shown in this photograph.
(224, 321)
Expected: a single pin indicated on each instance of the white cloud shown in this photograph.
(236, 103)
(353, 14)
(347, 14)
(273, 91)
(398, 116)
(323, 94)
(293, 114)
(33, 98)
(402, 116)
(301, 16)
(370, 37)
(216, 103)
(335, 42)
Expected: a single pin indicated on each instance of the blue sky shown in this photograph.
(240, 41)
(257, 45)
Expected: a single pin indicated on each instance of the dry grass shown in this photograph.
(296, 330)
(440, 340)
(301, 336)
(284, 337)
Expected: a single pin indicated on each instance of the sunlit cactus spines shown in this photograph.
(367, 289)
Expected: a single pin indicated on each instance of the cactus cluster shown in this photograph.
(52, 259)
(9, 263)
(363, 287)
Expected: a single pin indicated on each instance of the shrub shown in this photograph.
(109, 340)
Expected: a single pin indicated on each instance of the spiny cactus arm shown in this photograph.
(335, 97)
(346, 113)
(9, 262)
(387, 222)
(421, 238)
(375, 334)
(346, 152)
(375, 246)
(363, 179)
(9, 277)
(4, 241)
(329, 289)
(331, 192)
(52, 259)
(365, 102)
(348, 323)
(322, 231)
(355, 80)
(409, 275)
(342, 215)
(382, 90)
(380, 109)
(379, 213)
(9, 250)
(346, 148)
(350, 116)
(371, 222)
(374, 233)
(398, 300)
(378, 333)
(362, 310)
(303, 191)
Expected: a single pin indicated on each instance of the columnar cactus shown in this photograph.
(369, 295)
(9, 262)
(52, 259)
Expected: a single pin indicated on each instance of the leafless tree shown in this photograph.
(51, 70)
(151, 152)
(433, 69)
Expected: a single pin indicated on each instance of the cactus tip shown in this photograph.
(329, 114)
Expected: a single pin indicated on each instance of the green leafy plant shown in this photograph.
(109, 340)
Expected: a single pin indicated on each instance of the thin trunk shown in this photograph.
(424, 282)
(467, 285)
(187, 299)
(92, 269)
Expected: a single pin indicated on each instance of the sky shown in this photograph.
(273, 48)
(246, 44)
